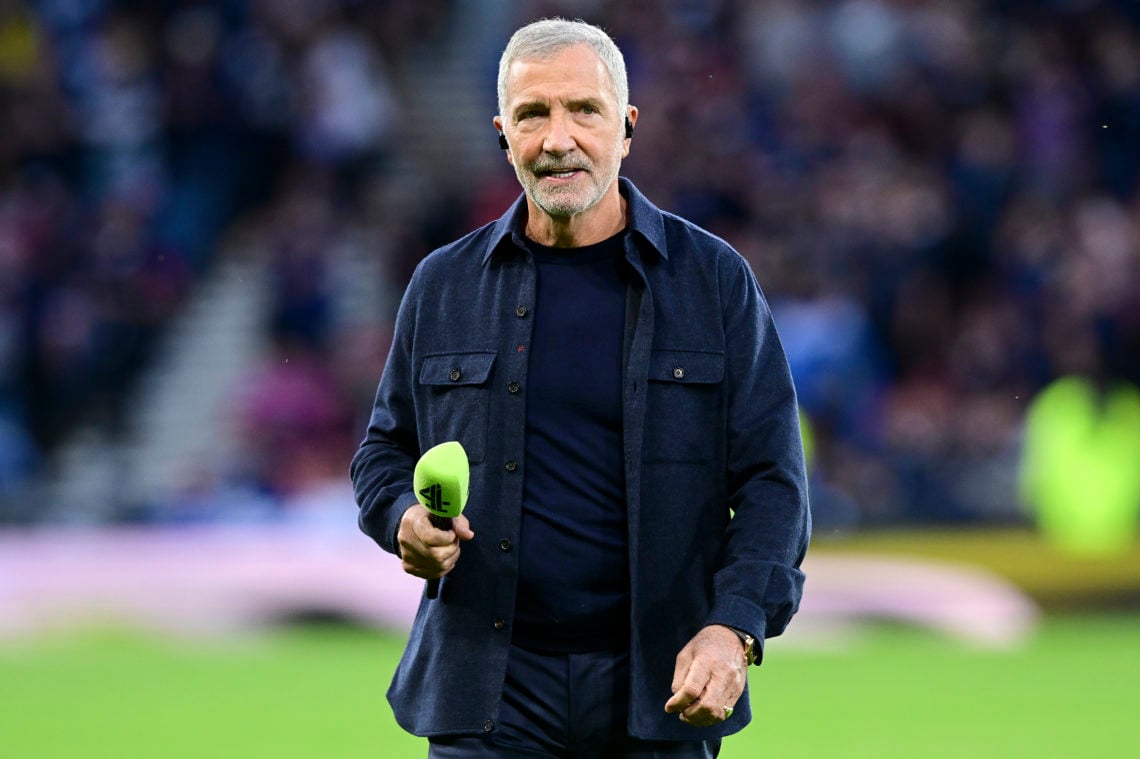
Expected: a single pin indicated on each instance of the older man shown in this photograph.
(637, 476)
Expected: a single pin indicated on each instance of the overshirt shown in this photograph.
(714, 470)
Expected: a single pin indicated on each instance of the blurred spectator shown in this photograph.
(292, 422)
(347, 107)
(1079, 474)
(136, 287)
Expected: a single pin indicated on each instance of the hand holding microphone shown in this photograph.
(441, 480)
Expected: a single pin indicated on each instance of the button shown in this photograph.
(488, 725)
(511, 465)
(505, 544)
(520, 311)
(454, 375)
(678, 373)
(513, 387)
(500, 624)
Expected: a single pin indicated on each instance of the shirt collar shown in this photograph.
(645, 222)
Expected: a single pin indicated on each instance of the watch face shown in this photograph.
(750, 649)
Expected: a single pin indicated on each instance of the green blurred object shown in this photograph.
(807, 432)
(1080, 470)
(310, 692)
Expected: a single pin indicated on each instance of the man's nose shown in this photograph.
(559, 138)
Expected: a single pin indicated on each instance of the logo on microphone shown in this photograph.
(433, 498)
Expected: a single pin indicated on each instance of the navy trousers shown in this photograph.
(566, 706)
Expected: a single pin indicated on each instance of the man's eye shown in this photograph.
(589, 110)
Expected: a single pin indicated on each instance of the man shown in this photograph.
(637, 476)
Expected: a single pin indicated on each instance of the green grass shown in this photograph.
(1072, 691)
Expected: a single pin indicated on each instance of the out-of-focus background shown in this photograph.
(208, 212)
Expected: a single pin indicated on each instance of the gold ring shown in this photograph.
(727, 712)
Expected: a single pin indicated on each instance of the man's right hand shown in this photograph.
(428, 552)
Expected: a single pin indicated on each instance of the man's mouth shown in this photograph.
(557, 173)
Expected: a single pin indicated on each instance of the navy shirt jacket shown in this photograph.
(712, 464)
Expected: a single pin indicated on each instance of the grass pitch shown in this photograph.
(319, 692)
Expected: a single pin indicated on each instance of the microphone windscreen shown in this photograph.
(442, 478)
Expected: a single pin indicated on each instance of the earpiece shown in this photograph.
(503, 142)
(628, 128)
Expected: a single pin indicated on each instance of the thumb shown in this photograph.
(462, 528)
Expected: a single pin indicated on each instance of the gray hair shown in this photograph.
(543, 39)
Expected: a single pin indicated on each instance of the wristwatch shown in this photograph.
(749, 646)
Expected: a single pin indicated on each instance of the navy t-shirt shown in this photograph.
(574, 540)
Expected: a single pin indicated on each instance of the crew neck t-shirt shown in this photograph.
(574, 583)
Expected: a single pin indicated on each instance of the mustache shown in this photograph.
(546, 167)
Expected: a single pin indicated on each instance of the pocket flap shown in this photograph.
(457, 368)
(686, 366)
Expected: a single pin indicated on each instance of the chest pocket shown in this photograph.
(684, 420)
(456, 389)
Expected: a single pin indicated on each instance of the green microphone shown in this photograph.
(442, 480)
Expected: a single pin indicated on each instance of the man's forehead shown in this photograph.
(575, 66)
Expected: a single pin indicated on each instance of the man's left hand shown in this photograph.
(709, 677)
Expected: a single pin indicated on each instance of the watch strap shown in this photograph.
(749, 645)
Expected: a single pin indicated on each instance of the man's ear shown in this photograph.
(498, 124)
(630, 123)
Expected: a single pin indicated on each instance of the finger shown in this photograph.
(708, 710)
(697, 680)
(449, 562)
(702, 719)
(416, 570)
(691, 688)
(430, 561)
(680, 698)
(681, 669)
(679, 702)
(432, 537)
(429, 571)
(413, 550)
(703, 711)
(441, 555)
(701, 716)
(721, 691)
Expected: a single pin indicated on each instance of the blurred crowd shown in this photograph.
(138, 139)
(939, 199)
